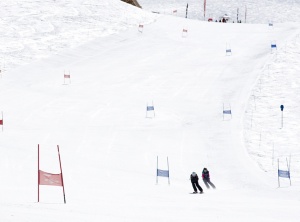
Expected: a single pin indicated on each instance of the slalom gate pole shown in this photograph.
(61, 174)
(153, 108)
(156, 170)
(278, 173)
(38, 173)
(223, 111)
(288, 167)
(168, 170)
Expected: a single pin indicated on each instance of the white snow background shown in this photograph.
(109, 148)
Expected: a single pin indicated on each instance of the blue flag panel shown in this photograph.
(162, 173)
(227, 111)
(273, 46)
(149, 108)
(284, 173)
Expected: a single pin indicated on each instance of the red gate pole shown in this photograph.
(61, 174)
(38, 172)
(2, 120)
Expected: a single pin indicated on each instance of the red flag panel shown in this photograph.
(67, 76)
(1, 121)
(50, 179)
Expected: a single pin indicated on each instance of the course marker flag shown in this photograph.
(284, 173)
(163, 173)
(50, 179)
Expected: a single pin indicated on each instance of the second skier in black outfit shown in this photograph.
(195, 183)
(206, 179)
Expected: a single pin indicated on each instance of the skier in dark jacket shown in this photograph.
(206, 179)
(194, 180)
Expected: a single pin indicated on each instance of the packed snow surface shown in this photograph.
(122, 59)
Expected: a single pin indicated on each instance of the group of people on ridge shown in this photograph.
(206, 179)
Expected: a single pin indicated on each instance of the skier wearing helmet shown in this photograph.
(194, 179)
(206, 179)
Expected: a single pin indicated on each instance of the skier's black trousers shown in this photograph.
(196, 184)
(207, 181)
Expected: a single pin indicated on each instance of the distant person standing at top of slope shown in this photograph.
(206, 179)
(194, 179)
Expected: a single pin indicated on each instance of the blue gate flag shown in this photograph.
(149, 108)
(227, 111)
(162, 173)
(273, 45)
(284, 173)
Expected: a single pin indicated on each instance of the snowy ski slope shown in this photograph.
(108, 146)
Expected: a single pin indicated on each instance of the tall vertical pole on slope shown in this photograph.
(38, 172)
(278, 174)
(186, 12)
(245, 13)
(288, 167)
(281, 108)
(1, 121)
(204, 9)
(168, 170)
(61, 174)
(157, 170)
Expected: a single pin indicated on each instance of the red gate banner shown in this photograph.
(50, 179)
